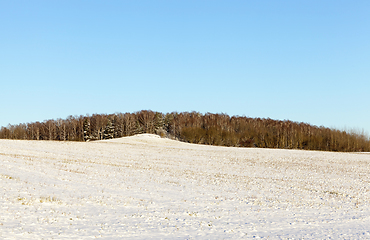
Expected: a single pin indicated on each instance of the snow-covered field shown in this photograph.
(144, 187)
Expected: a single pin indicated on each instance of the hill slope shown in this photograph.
(144, 186)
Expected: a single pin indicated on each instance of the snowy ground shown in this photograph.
(146, 187)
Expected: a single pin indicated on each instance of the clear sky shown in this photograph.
(306, 61)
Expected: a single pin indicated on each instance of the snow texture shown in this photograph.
(146, 187)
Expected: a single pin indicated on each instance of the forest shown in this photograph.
(193, 127)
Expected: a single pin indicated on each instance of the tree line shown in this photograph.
(193, 127)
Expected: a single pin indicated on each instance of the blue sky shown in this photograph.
(306, 61)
